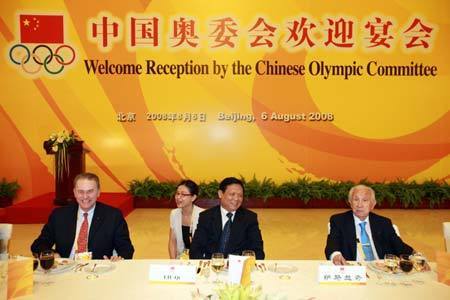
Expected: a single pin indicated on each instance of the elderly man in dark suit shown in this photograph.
(375, 233)
(227, 228)
(87, 226)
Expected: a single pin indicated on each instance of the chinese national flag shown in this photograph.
(41, 29)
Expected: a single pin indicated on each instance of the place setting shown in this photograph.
(403, 269)
(218, 265)
(46, 264)
(94, 269)
(203, 270)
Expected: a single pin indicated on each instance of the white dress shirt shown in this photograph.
(80, 219)
(360, 256)
(224, 212)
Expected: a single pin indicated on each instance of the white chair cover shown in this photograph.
(446, 229)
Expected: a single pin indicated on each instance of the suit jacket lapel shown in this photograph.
(235, 228)
(374, 228)
(217, 224)
(350, 228)
(97, 221)
(72, 226)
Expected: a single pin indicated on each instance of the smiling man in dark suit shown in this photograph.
(375, 233)
(227, 228)
(87, 226)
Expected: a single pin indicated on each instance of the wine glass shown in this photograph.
(35, 263)
(406, 265)
(47, 260)
(217, 264)
(185, 254)
(419, 261)
(248, 253)
(391, 262)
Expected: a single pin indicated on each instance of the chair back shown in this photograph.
(446, 230)
(396, 230)
(5, 236)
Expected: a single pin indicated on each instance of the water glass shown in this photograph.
(249, 253)
(185, 254)
(419, 261)
(406, 265)
(217, 264)
(391, 262)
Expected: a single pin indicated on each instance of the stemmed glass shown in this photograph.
(35, 262)
(217, 264)
(419, 261)
(47, 260)
(249, 253)
(391, 262)
(184, 255)
(406, 265)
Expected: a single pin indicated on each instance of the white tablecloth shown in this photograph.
(129, 280)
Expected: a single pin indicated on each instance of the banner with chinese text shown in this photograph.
(200, 89)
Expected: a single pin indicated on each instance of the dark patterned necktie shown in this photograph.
(82, 235)
(225, 235)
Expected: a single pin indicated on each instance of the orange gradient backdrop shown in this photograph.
(384, 128)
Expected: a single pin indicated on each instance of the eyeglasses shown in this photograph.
(182, 194)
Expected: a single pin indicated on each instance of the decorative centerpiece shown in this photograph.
(69, 162)
(237, 291)
(60, 142)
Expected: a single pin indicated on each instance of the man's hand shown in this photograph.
(339, 260)
(113, 258)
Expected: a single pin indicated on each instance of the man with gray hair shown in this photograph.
(360, 225)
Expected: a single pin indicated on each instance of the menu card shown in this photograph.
(240, 268)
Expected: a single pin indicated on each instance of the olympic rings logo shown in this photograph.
(53, 62)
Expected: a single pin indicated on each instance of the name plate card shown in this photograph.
(172, 273)
(342, 274)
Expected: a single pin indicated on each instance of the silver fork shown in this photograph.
(200, 267)
(263, 267)
(80, 266)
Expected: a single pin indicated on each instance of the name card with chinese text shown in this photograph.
(342, 274)
(172, 273)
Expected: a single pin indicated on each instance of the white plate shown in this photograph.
(100, 268)
(282, 268)
(61, 265)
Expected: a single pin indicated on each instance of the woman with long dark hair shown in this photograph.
(183, 219)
